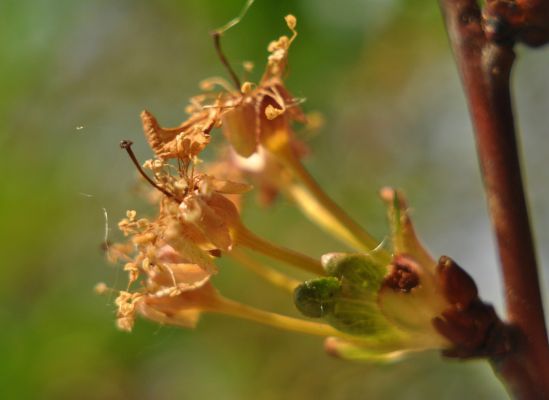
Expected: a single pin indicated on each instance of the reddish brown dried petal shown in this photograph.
(227, 187)
(184, 276)
(203, 297)
(294, 111)
(224, 208)
(183, 318)
(215, 227)
(184, 141)
(240, 129)
(274, 133)
(157, 136)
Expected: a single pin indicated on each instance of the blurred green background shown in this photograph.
(74, 76)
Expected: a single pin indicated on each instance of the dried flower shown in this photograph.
(373, 304)
(184, 142)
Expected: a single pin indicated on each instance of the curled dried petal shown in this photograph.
(183, 318)
(240, 129)
(224, 186)
(185, 141)
(183, 276)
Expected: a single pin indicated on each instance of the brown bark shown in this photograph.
(483, 50)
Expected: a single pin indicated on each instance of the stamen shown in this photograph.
(217, 44)
(127, 145)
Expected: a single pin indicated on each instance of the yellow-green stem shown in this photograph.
(361, 240)
(310, 206)
(315, 211)
(270, 275)
(248, 239)
(235, 309)
(388, 344)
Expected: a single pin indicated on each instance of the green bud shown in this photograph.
(357, 317)
(358, 273)
(348, 299)
(315, 298)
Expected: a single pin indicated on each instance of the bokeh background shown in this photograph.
(74, 76)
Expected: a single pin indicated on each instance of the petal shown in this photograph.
(167, 254)
(228, 187)
(240, 128)
(295, 112)
(224, 208)
(189, 251)
(202, 298)
(274, 133)
(214, 227)
(185, 141)
(183, 276)
(185, 318)
(157, 136)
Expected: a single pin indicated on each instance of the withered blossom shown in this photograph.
(168, 263)
(375, 303)
(172, 256)
(183, 142)
(261, 114)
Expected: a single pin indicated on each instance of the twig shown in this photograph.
(485, 67)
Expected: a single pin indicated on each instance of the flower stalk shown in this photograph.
(239, 310)
(253, 242)
(270, 275)
(323, 210)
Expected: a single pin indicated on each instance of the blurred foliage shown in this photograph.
(74, 77)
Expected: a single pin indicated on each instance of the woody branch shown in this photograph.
(482, 42)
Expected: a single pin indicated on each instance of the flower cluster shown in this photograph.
(172, 257)
(374, 303)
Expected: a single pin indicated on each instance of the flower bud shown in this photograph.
(458, 287)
